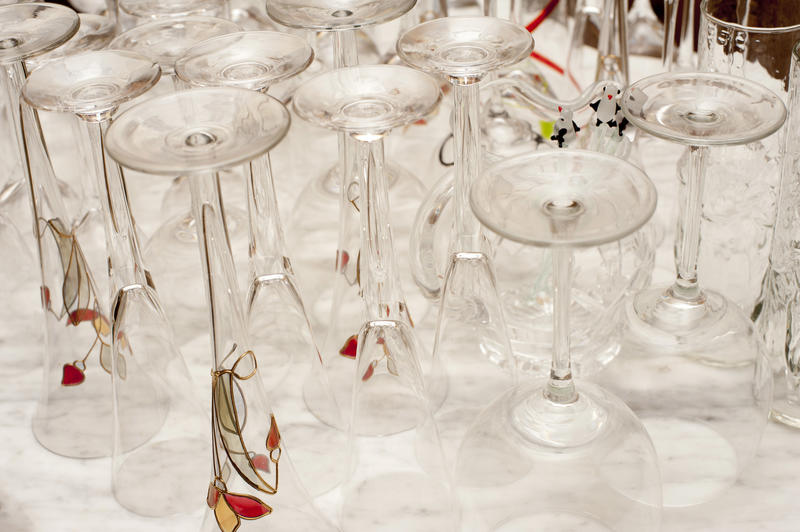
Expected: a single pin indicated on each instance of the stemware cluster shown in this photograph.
(332, 384)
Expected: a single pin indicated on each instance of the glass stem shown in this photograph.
(112, 12)
(267, 245)
(381, 287)
(504, 9)
(687, 236)
(345, 49)
(222, 291)
(345, 54)
(560, 388)
(467, 145)
(124, 254)
(31, 148)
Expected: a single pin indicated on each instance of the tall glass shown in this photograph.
(197, 133)
(777, 313)
(752, 40)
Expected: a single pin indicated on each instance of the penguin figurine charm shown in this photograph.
(606, 108)
(565, 128)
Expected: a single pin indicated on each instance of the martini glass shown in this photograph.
(158, 426)
(471, 340)
(197, 133)
(703, 386)
(276, 317)
(386, 387)
(171, 248)
(323, 233)
(555, 454)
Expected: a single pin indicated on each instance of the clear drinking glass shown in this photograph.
(606, 274)
(752, 41)
(276, 317)
(471, 340)
(559, 454)
(159, 425)
(389, 394)
(148, 10)
(323, 233)
(74, 413)
(701, 371)
(776, 310)
(171, 249)
(197, 133)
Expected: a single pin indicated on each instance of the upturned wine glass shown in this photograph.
(558, 454)
(276, 317)
(197, 133)
(158, 429)
(16, 232)
(323, 232)
(386, 387)
(171, 248)
(691, 365)
(471, 340)
(74, 412)
(148, 10)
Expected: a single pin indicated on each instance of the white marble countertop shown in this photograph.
(41, 491)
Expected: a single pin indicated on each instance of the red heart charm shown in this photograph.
(71, 376)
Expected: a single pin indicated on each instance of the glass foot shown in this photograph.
(785, 410)
(512, 474)
(552, 424)
(661, 321)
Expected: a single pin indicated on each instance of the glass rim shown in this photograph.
(749, 29)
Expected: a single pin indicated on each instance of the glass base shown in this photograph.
(659, 320)
(552, 424)
(528, 463)
(784, 410)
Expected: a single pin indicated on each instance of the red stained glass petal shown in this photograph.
(246, 506)
(261, 462)
(71, 376)
(213, 496)
(274, 437)
(370, 371)
(342, 260)
(46, 297)
(80, 315)
(350, 347)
